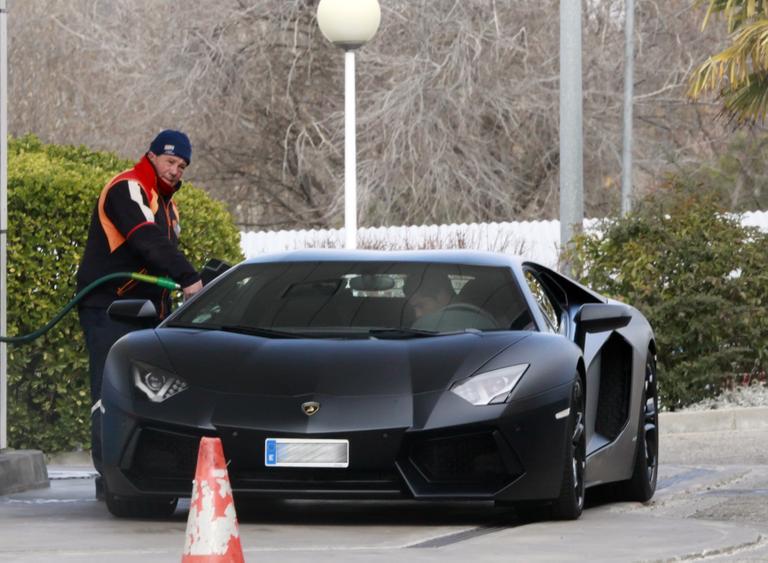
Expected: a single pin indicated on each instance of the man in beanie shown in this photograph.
(134, 228)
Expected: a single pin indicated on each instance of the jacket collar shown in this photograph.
(147, 175)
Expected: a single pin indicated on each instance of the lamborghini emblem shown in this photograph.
(310, 407)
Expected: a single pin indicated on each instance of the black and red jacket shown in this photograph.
(134, 228)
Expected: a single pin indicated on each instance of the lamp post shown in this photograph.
(629, 70)
(571, 134)
(349, 24)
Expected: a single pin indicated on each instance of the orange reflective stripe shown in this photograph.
(114, 237)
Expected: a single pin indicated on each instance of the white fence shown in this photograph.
(535, 240)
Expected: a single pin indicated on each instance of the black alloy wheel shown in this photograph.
(642, 485)
(570, 504)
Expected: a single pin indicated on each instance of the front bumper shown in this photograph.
(429, 446)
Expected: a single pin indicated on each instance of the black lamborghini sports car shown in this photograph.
(359, 374)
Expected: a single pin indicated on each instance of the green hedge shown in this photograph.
(697, 274)
(51, 194)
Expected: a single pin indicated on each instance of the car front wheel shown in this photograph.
(570, 503)
(642, 485)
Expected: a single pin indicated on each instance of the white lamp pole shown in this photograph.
(349, 24)
(629, 71)
(350, 152)
(571, 134)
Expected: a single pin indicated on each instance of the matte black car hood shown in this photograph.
(243, 364)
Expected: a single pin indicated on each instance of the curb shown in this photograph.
(720, 420)
(70, 459)
(21, 470)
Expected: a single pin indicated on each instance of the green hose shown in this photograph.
(166, 283)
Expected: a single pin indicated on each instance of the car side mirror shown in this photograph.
(600, 317)
(141, 312)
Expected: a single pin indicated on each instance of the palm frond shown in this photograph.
(749, 103)
(738, 74)
(734, 67)
(737, 12)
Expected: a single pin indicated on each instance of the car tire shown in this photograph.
(139, 507)
(570, 504)
(642, 485)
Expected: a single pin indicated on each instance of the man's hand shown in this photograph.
(190, 290)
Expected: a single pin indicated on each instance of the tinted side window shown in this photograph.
(548, 308)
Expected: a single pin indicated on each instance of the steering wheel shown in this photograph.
(468, 308)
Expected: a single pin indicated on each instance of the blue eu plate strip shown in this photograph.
(270, 452)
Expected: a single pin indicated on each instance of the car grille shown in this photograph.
(473, 464)
(160, 454)
(319, 481)
(459, 459)
(165, 460)
(478, 463)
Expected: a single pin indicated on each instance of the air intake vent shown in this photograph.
(470, 458)
(165, 455)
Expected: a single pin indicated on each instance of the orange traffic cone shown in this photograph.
(212, 531)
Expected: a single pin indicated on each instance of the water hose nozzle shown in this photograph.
(167, 283)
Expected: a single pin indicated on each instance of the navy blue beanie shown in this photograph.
(174, 143)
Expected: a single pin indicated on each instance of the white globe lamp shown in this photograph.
(349, 24)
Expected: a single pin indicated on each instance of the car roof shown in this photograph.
(466, 257)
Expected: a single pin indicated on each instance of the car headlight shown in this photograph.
(491, 387)
(157, 384)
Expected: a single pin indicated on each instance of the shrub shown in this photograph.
(697, 274)
(51, 194)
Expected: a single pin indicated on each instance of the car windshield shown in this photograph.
(387, 300)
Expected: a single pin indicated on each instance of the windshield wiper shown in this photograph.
(262, 331)
(404, 333)
(178, 324)
(395, 333)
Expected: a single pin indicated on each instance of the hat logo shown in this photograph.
(167, 148)
(310, 407)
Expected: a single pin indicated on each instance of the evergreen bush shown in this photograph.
(51, 194)
(698, 275)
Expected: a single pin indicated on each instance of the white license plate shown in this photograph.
(305, 452)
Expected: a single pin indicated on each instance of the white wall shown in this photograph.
(536, 240)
